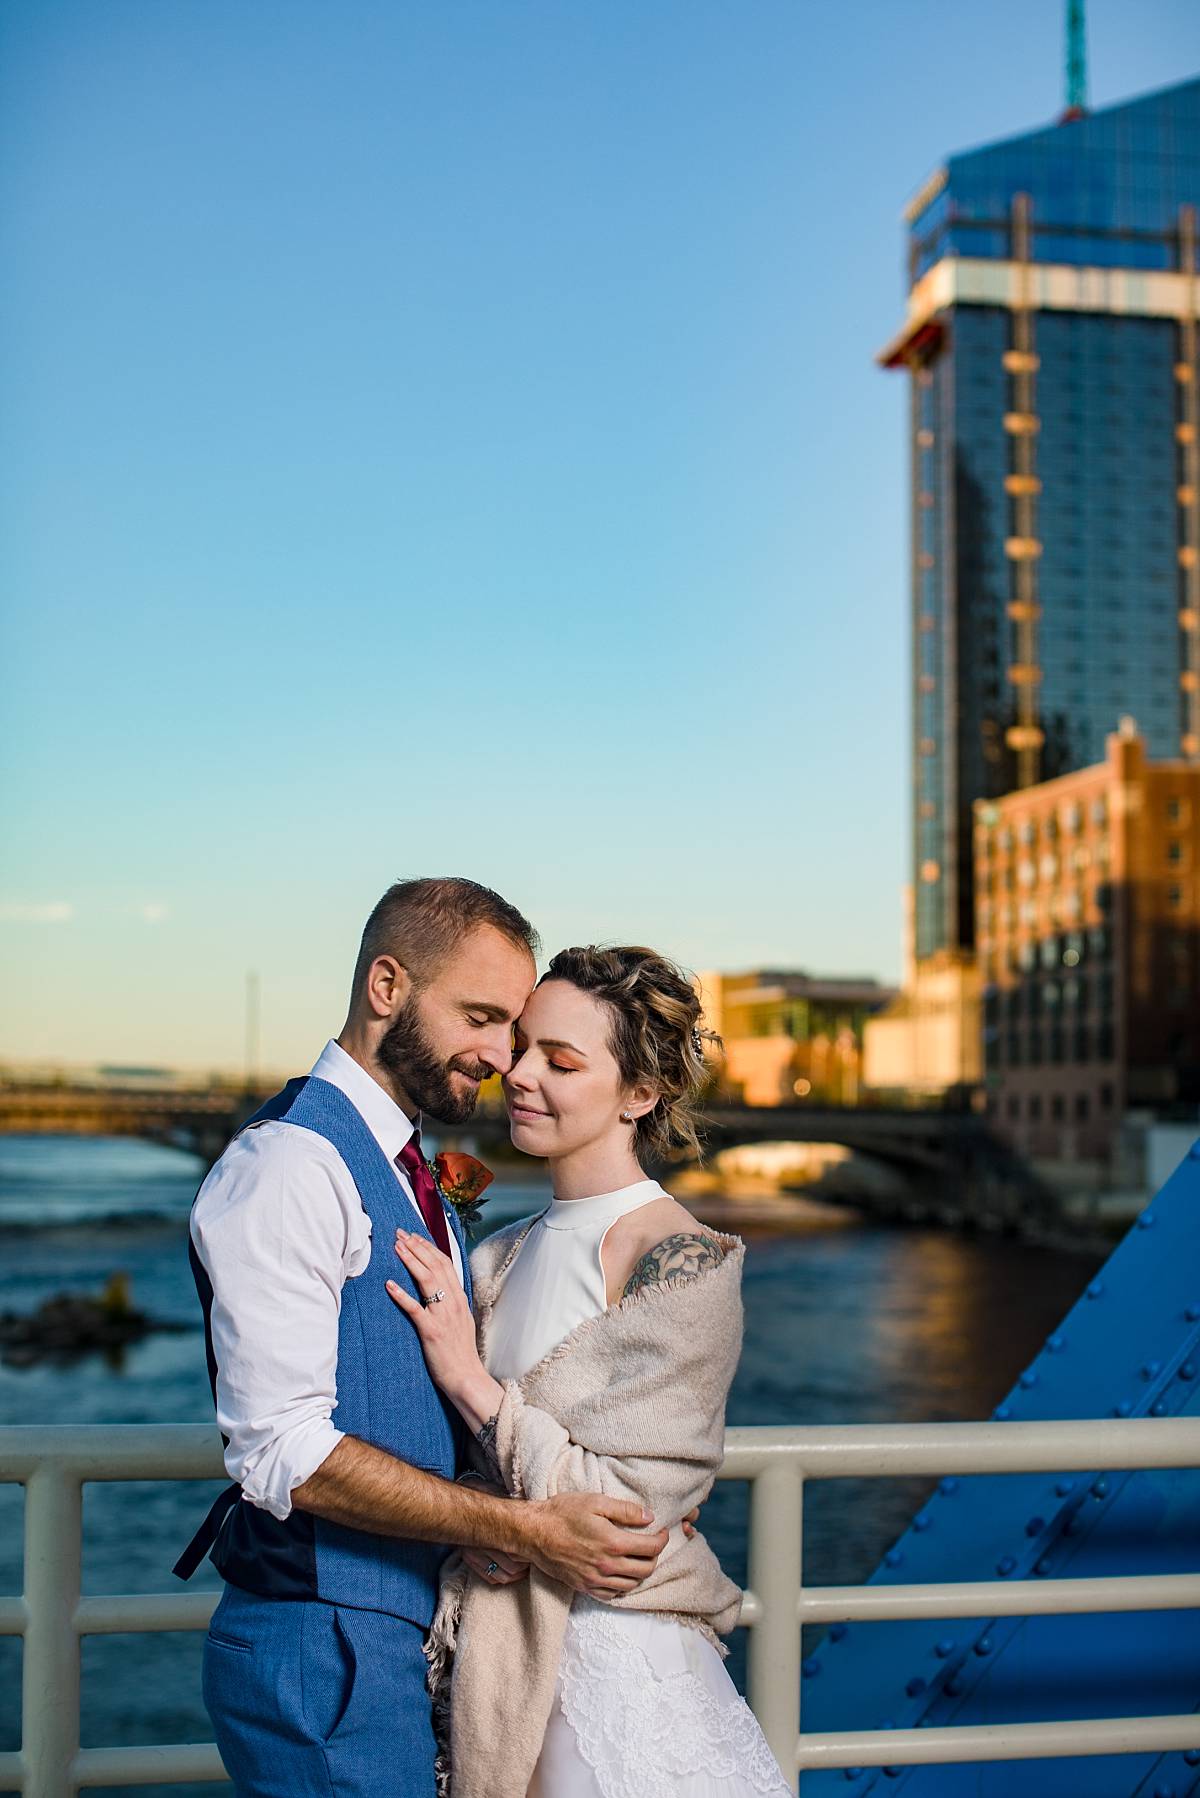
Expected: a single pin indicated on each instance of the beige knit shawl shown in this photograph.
(631, 1403)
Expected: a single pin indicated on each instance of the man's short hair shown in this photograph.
(420, 921)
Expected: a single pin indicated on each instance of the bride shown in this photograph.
(609, 1328)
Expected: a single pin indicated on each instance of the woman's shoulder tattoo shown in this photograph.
(679, 1257)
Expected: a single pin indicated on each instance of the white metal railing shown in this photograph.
(53, 1464)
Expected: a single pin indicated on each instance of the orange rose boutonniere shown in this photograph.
(461, 1181)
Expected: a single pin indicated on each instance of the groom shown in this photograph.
(342, 1450)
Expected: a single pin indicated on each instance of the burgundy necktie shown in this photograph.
(425, 1191)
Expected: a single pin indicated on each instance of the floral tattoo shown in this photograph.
(679, 1257)
(485, 1437)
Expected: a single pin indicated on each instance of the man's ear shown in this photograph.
(387, 987)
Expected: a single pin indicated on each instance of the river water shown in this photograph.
(846, 1322)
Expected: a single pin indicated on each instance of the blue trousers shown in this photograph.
(314, 1700)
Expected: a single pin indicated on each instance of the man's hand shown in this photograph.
(591, 1543)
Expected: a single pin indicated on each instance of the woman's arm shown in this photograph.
(527, 1450)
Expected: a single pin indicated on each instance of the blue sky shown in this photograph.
(445, 438)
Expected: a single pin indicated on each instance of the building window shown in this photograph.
(1106, 1096)
(1057, 1107)
(1099, 810)
(1014, 1108)
(1082, 1108)
(1035, 1108)
(1175, 852)
(1175, 897)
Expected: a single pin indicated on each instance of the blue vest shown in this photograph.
(384, 1396)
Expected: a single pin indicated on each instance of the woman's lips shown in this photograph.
(525, 1114)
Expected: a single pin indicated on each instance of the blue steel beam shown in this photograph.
(1130, 1347)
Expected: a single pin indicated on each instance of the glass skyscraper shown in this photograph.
(1051, 344)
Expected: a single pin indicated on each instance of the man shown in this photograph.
(342, 1450)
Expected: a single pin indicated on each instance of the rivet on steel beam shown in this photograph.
(1042, 1566)
(1100, 1488)
(852, 1772)
(984, 1645)
(1095, 1289)
(811, 1667)
(838, 1631)
(1192, 1757)
(1001, 1412)
(894, 1557)
(1029, 1378)
(1188, 1371)
(892, 1772)
(922, 1521)
(1159, 1408)
(954, 1687)
(1056, 1343)
(1072, 1526)
(1035, 1526)
(916, 1686)
(945, 1648)
(1164, 1792)
(1005, 1565)
(1064, 1488)
(1193, 1314)
(1147, 1220)
(1123, 1407)
(1151, 1370)
(949, 1484)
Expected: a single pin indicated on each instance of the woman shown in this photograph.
(609, 1329)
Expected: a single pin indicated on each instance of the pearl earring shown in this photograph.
(625, 1118)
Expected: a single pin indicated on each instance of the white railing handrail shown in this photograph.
(53, 1461)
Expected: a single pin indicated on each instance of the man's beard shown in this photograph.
(409, 1056)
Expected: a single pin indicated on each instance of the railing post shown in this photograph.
(50, 1695)
(773, 1651)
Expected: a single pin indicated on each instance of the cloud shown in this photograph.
(53, 911)
(153, 913)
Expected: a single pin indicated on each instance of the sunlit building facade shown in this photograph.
(1051, 348)
(791, 1036)
(1088, 933)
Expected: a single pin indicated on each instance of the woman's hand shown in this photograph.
(496, 1569)
(446, 1328)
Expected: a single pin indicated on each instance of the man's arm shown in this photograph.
(585, 1540)
(279, 1227)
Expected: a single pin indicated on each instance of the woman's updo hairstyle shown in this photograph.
(655, 1035)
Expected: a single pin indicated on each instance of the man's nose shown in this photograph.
(500, 1051)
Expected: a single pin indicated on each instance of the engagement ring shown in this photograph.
(434, 1297)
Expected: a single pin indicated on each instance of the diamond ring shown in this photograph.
(436, 1297)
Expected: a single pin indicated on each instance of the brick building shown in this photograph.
(1087, 921)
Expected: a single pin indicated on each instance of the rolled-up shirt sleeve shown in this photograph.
(278, 1227)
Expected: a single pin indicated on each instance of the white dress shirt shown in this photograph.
(279, 1227)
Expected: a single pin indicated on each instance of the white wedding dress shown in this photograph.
(643, 1707)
